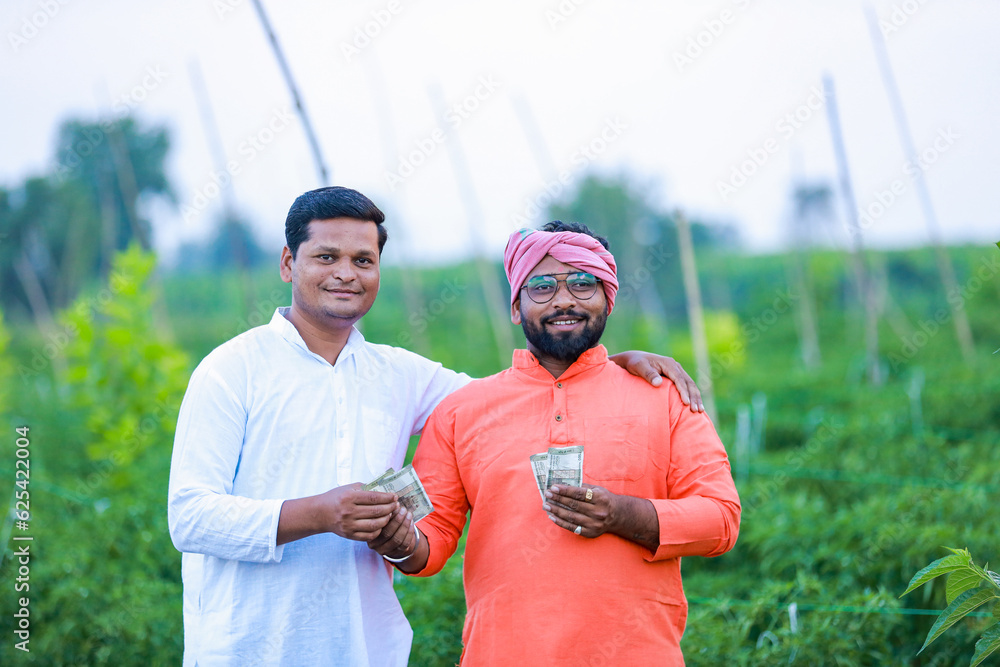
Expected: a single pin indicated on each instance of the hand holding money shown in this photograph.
(398, 538)
(558, 465)
(407, 486)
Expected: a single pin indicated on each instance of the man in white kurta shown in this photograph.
(289, 424)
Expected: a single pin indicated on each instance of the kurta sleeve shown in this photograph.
(203, 515)
(701, 514)
(437, 466)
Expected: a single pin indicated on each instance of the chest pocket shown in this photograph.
(615, 448)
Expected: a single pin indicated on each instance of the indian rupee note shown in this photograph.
(565, 466)
(376, 484)
(540, 468)
(410, 490)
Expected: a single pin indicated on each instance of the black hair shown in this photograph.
(327, 203)
(579, 228)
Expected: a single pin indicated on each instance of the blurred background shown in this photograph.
(800, 197)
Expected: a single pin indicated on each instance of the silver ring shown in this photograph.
(579, 529)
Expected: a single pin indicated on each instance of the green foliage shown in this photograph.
(121, 374)
(969, 588)
(105, 583)
(435, 608)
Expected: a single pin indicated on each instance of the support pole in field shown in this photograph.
(412, 284)
(808, 204)
(324, 174)
(496, 313)
(861, 279)
(213, 137)
(959, 317)
(692, 291)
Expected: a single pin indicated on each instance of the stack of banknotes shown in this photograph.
(407, 486)
(559, 465)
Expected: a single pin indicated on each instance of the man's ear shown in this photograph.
(285, 267)
(515, 311)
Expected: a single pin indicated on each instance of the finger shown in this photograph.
(390, 529)
(649, 372)
(373, 511)
(400, 538)
(697, 405)
(361, 497)
(566, 493)
(568, 525)
(683, 388)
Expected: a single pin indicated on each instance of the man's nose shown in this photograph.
(343, 270)
(563, 298)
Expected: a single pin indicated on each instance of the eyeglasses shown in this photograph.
(541, 289)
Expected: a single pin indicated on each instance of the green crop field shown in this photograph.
(848, 488)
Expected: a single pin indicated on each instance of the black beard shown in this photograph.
(565, 346)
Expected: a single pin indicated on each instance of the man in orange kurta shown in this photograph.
(591, 575)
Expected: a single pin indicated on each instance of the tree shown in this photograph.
(59, 231)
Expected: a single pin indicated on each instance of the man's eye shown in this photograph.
(544, 287)
(364, 260)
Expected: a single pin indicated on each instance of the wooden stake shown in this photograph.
(699, 340)
(959, 317)
(865, 296)
(497, 307)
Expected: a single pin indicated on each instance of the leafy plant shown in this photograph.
(969, 587)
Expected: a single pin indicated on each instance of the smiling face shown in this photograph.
(565, 327)
(335, 272)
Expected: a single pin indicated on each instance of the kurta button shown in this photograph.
(558, 418)
(559, 384)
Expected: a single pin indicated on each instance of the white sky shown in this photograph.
(685, 127)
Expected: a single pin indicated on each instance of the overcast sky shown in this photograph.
(680, 95)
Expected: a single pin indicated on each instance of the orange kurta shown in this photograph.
(538, 594)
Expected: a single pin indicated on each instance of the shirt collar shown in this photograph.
(280, 324)
(526, 362)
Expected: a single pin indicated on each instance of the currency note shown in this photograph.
(410, 490)
(376, 484)
(565, 466)
(540, 468)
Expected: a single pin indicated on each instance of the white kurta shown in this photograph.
(264, 420)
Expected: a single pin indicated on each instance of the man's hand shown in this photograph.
(625, 516)
(348, 511)
(398, 538)
(651, 366)
(568, 507)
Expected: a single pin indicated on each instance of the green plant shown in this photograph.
(969, 587)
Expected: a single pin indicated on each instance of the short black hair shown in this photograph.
(326, 203)
(579, 228)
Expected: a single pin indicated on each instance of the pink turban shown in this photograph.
(526, 248)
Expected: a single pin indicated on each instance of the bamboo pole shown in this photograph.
(213, 137)
(802, 204)
(492, 292)
(413, 293)
(862, 282)
(945, 268)
(696, 318)
(324, 174)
